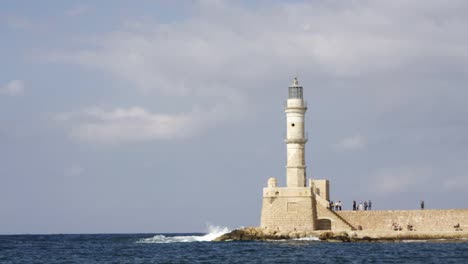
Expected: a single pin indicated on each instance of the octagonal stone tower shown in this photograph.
(291, 208)
(295, 137)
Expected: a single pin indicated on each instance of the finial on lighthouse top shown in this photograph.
(295, 82)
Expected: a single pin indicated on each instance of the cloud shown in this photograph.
(395, 180)
(351, 143)
(224, 46)
(222, 49)
(13, 88)
(135, 124)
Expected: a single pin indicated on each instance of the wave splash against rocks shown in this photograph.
(213, 232)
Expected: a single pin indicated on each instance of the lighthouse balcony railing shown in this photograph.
(293, 139)
(304, 104)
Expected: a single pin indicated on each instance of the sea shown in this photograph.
(199, 248)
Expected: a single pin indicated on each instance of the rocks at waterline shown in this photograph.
(255, 233)
(342, 236)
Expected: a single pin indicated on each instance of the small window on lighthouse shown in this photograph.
(292, 124)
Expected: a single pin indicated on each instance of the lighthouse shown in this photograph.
(291, 208)
(296, 139)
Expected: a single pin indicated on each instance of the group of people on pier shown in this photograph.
(361, 206)
(335, 206)
(367, 205)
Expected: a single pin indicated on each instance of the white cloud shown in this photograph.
(394, 180)
(135, 124)
(222, 49)
(351, 143)
(13, 88)
(229, 45)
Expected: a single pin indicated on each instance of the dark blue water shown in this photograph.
(145, 248)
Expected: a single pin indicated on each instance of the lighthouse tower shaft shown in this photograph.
(296, 139)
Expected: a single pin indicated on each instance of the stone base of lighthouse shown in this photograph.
(288, 209)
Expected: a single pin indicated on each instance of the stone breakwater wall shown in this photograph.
(421, 220)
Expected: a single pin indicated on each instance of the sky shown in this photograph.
(167, 116)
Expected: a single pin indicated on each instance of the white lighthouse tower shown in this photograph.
(295, 137)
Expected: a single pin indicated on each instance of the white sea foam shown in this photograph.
(307, 239)
(413, 241)
(213, 232)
